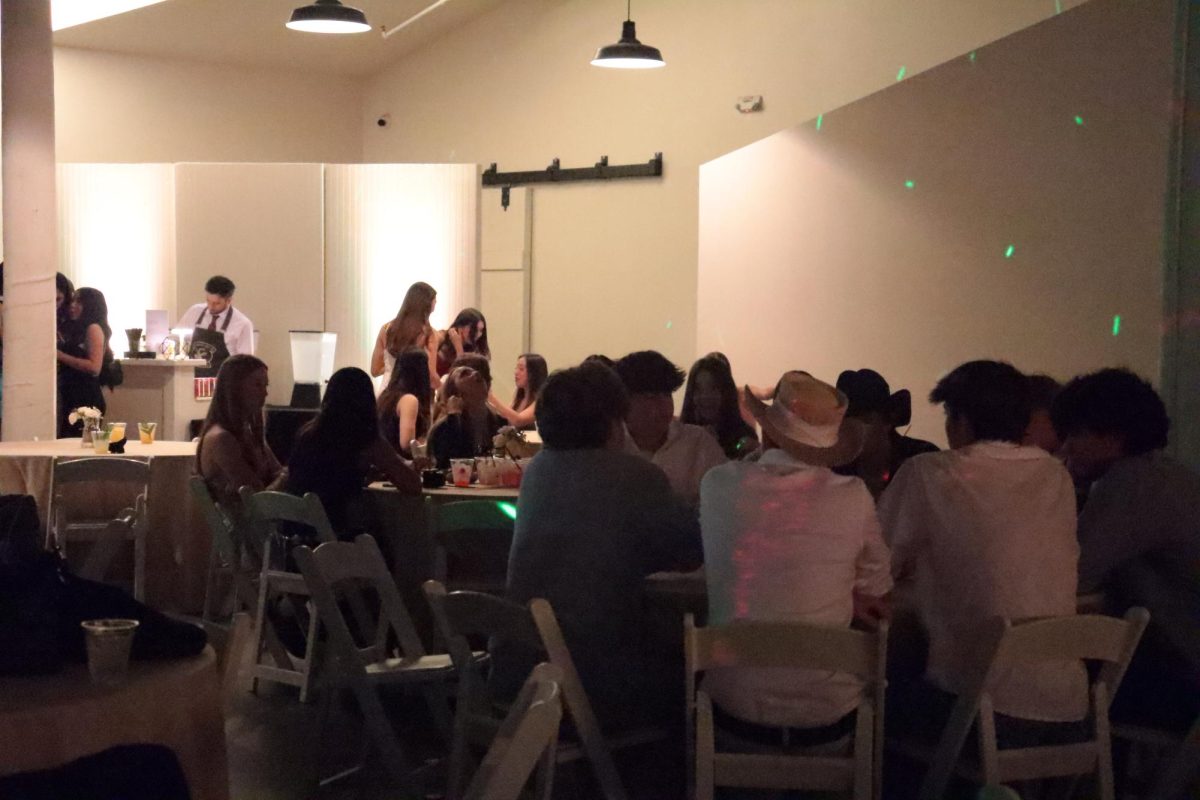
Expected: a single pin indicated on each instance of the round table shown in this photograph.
(50, 720)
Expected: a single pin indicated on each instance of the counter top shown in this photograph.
(162, 362)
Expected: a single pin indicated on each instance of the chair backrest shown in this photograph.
(107, 469)
(528, 735)
(271, 508)
(795, 645)
(340, 570)
(219, 524)
(1002, 645)
(461, 616)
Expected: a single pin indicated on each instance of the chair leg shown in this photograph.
(139, 565)
(310, 656)
(1104, 767)
(379, 728)
(435, 698)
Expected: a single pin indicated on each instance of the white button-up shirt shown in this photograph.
(688, 453)
(785, 541)
(239, 336)
(989, 530)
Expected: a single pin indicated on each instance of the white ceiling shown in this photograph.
(252, 33)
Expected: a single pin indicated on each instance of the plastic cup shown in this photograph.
(510, 474)
(146, 432)
(108, 645)
(116, 431)
(487, 471)
(460, 470)
(100, 442)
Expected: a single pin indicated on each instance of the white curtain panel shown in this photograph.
(386, 227)
(117, 234)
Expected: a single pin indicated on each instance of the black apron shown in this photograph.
(210, 344)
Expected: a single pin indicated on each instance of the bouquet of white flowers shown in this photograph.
(84, 412)
(511, 442)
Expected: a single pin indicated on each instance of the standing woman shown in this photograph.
(711, 401)
(232, 451)
(404, 406)
(64, 293)
(467, 334)
(529, 377)
(410, 328)
(83, 355)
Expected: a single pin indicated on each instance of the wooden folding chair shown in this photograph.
(1004, 646)
(106, 535)
(786, 645)
(268, 510)
(527, 738)
(463, 615)
(338, 571)
(470, 532)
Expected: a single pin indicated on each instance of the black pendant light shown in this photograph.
(328, 16)
(628, 53)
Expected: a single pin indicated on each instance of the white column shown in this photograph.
(30, 218)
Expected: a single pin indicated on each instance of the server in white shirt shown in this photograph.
(218, 329)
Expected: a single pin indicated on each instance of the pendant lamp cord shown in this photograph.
(628, 12)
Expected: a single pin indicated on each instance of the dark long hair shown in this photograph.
(412, 319)
(347, 420)
(472, 317)
(226, 409)
(535, 378)
(409, 376)
(730, 427)
(63, 284)
(93, 310)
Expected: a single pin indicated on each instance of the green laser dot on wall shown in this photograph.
(900, 74)
(1116, 325)
(1078, 120)
(820, 119)
(971, 57)
(910, 184)
(1008, 251)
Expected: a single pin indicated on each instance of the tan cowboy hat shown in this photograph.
(808, 421)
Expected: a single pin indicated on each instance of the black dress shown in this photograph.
(455, 437)
(337, 475)
(76, 388)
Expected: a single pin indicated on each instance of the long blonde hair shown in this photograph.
(412, 319)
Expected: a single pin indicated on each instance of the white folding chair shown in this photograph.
(1003, 646)
(527, 738)
(268, 510)
(462, 615)
(105, 534)
(227, 556)
(386, 649)
(786, 645)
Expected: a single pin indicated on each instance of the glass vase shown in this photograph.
(90, 426)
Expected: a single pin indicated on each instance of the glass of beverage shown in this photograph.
(108, 645)
(100, 442)
(460, 470)
(116, 431)
(488, 471)
(146, 432)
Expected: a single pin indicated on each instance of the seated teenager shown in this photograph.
(404, 405)
(788, 540)
(334, 452)
(232, 452)
(1041, 431)
(592, 522)
(529, 377)
(881, 411)
(465, 426)
(1139, 535)
(711, 401)
(984, 529)
(683, 452)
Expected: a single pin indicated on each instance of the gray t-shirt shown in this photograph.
(1139, 533)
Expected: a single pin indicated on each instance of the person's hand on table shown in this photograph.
(870, 610)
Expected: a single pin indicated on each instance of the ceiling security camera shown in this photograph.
(384, 120)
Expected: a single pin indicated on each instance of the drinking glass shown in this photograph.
(100, 442)
(116, 431)
(460, 469)
(146, 432)
(108, 645)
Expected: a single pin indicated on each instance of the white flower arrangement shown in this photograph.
(84, 412)
(511, 442)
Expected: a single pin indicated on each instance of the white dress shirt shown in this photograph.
(239, 336)
(785, 541)
(982, 531)
(688, 453)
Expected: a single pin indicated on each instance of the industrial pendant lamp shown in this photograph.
(328, 16)
(628, 53)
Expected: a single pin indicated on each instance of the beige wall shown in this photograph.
(814, 254)
(615, 264)
(121, 108)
